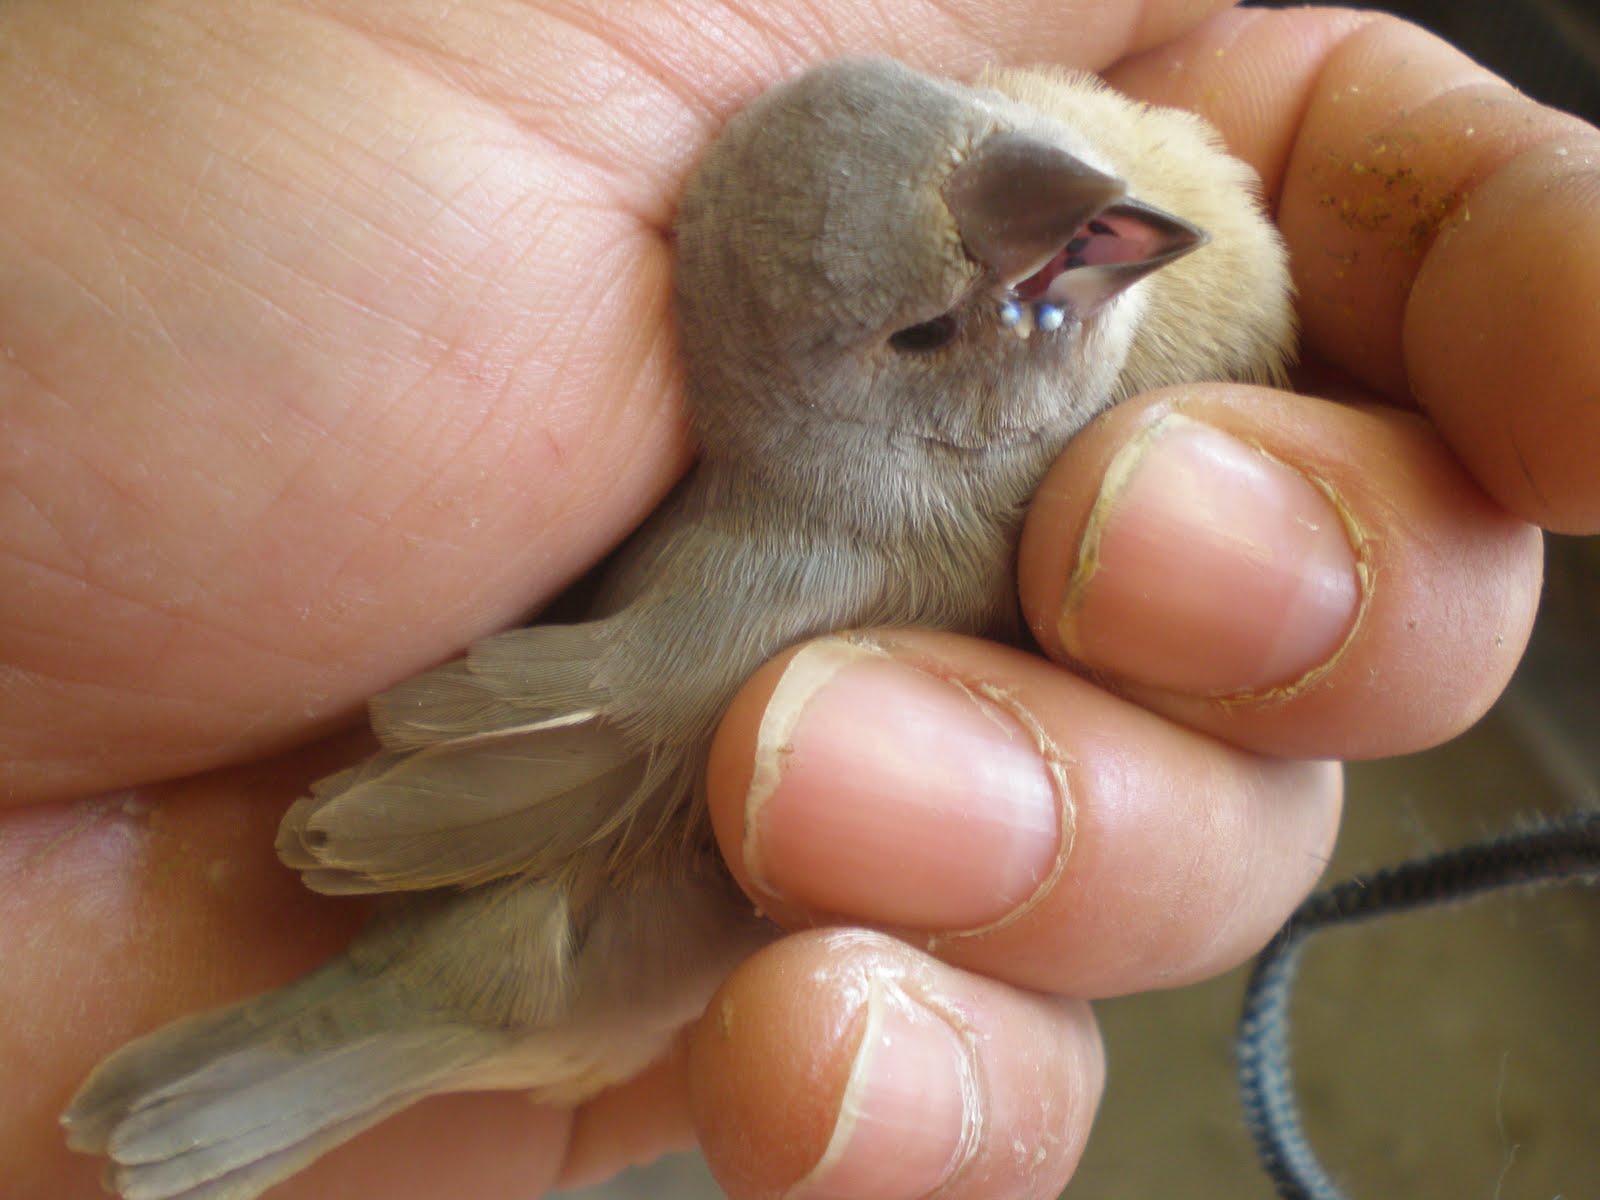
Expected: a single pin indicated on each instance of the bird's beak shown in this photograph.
(1049, 228)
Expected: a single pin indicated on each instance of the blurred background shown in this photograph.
(1454, 1053)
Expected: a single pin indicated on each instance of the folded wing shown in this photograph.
(503, 763)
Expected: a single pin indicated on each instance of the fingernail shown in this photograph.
(908, 1118)
(897, 797)
(1210, 568)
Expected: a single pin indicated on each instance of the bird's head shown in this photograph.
(871, 248)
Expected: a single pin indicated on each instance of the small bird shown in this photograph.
(897, 297)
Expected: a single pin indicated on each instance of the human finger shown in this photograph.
(1017, 819)
(1444, 230)
(1299, 577)
(844, 1064)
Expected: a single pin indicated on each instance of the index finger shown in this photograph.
(1444, 229)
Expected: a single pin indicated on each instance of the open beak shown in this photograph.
(1052, 230)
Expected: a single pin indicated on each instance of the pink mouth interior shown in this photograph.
(1106, 240)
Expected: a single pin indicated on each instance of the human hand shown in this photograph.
(319, 368)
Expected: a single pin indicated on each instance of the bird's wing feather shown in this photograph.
(525, 679)
(504, 762)
(221, 1106)
(462, 815)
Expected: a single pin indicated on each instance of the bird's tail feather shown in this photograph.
(224, 1105)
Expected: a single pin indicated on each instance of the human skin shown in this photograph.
(335, 335)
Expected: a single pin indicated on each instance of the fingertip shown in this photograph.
(842, 1064)
(1374, 604)
(767, 1066)
(853, 780)
(1205, 565)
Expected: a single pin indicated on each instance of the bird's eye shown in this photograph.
(930, 335)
